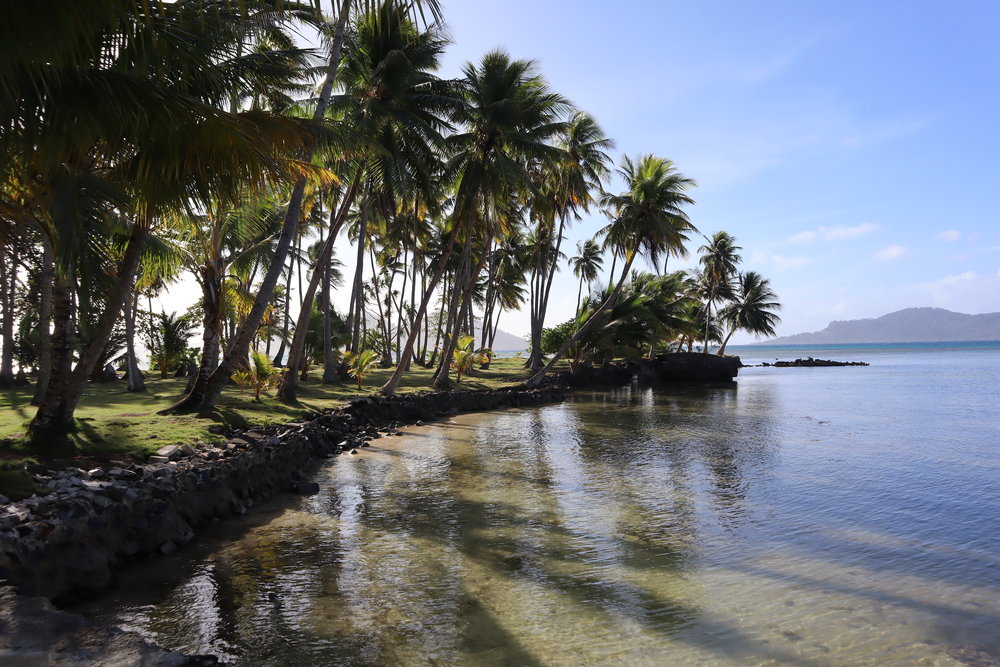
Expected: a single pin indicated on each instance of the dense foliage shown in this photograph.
(147, 144)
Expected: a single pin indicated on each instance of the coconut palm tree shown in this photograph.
(719, 259)
(647, 219)
(586, 266)
(566, 191)
(510, 119)
(393, 98)
(508, 115)
(205, 392)
(146, 89)
(753, 309)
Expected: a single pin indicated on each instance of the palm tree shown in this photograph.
(205, 392)
(648, 219)
(510, 117)
(507, 116)
(144, 88)
(465, 356)
(586, 266)
(719, 259)
(753, 309)
(566, 191)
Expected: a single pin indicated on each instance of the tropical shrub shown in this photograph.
(260, 375)
(362, 364)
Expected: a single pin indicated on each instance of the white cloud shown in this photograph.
(949, 235)
(884, 131)
(840, 232)
(835, 233)
(783, 263)
(891, 252)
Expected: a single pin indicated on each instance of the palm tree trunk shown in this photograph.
(8, 282)
(722, 350)
(50, 419)
(205, 393)
(453, 320)
(54, 419)
(133, 376)
(359, 268)
(465, 311)
(537, 379)
(44, 323)
(288, 318)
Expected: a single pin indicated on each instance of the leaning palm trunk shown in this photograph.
(392, 383)
(205, 392)
(722, 350)
(537, 379)
(54, 419)
(290, 383)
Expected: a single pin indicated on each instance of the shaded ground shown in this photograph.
(113, 423)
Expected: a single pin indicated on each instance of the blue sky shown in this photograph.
(851, 148)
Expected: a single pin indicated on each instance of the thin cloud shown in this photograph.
(835, 233)
(949, 235)
(891, 252)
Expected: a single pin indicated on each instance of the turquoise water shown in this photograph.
(812, 516)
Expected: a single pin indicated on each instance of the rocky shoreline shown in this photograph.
(68, 543)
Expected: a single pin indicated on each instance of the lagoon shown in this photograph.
(818, 516)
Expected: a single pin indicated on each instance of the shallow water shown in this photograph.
(821, 516)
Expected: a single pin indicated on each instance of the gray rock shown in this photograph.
(96, 473)
(158, 459)
(172, 452)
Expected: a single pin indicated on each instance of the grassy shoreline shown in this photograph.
(115, 424)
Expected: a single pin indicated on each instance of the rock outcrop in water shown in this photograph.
(809, 362)
(689, 367)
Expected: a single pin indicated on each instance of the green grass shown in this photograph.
(115, 424)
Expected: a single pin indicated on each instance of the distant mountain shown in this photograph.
(910, 325)
(504, 341)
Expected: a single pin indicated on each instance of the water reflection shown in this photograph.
(625, 526)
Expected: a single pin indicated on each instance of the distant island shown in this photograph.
(910, 325)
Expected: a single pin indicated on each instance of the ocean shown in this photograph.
(813, 516)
